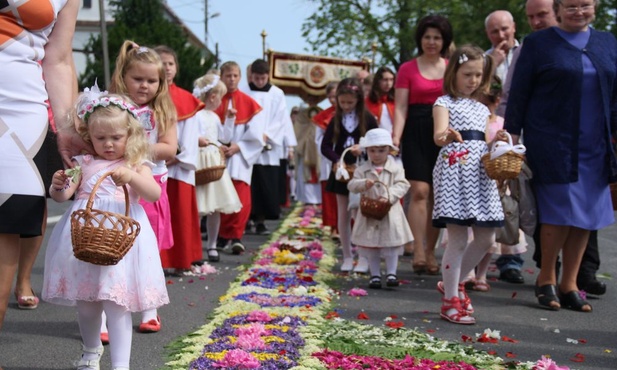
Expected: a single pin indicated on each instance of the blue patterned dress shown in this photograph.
(464, 194)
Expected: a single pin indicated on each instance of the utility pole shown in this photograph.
(104, 42)
(206, 23)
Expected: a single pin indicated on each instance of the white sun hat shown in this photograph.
(377, 137)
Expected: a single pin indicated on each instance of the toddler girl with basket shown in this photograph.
(134, 283)
(382, 181)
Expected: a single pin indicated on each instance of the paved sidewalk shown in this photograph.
(48, 337)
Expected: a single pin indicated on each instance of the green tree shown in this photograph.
(143, 21)
(350, 27)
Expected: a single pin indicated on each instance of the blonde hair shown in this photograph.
(137, 147)
(461, 56)
(219, 89)
(161, 104)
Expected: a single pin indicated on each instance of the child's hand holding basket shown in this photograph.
(505, 160)
(101, 237)
(345, 171)
(375, 207)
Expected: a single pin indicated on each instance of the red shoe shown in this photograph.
(151, 326)
(462, 293)
(105, 338)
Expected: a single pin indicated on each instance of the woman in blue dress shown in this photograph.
(563, 98)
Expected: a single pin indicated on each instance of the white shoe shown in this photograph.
(347, 265)
(361, 266)
(90, 364)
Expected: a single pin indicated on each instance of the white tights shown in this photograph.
(344, 224)
(213, 222)
(459, 257)
(89, 317)
(374, 255)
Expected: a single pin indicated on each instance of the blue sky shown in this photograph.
(238, 27)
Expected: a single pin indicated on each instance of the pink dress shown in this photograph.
(136, 282)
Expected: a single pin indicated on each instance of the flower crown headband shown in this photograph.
(93, 98)
(197, 91)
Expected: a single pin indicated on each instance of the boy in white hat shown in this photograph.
(381, 178)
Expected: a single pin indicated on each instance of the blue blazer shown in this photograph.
(544, 101)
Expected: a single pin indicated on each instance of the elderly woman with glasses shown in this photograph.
(564, 100)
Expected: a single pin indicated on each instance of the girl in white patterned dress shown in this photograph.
(136, 283)
(218, 196)
(464, 194)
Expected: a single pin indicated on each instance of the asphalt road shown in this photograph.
(48, 337)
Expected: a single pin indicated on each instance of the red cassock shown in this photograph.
(245, 106)
(233, 225)
(183, 203)
(376, 108)
(328, 199)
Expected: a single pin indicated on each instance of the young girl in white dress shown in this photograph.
(218, 196)
(381, 238)
(464, 194)
(136, 283)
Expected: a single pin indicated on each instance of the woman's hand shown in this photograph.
(122, 176)
(369, 183)
(71, 144)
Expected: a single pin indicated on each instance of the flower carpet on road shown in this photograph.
(281, 314)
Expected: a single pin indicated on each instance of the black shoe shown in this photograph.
(248, 229)
(221, 243)
(261, 229)
(593, 287)
(375, 282)
(512, 276)
(237, 247)
(213, 255)
(392, 280)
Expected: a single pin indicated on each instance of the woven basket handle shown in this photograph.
(220, 151)
(96, 187)
(385, 187)
(343, 156)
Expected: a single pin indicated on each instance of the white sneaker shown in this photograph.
(361, 266)
(347, 265)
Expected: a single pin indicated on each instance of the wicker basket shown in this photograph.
(100, 237)
(613, 188)
(375, 208)
(504, 167)
(210, 174)
(349, 167)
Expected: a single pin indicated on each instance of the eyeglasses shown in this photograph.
(575, 9)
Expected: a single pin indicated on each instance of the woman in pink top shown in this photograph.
(419, 83)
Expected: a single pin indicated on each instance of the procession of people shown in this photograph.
(421, 132)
